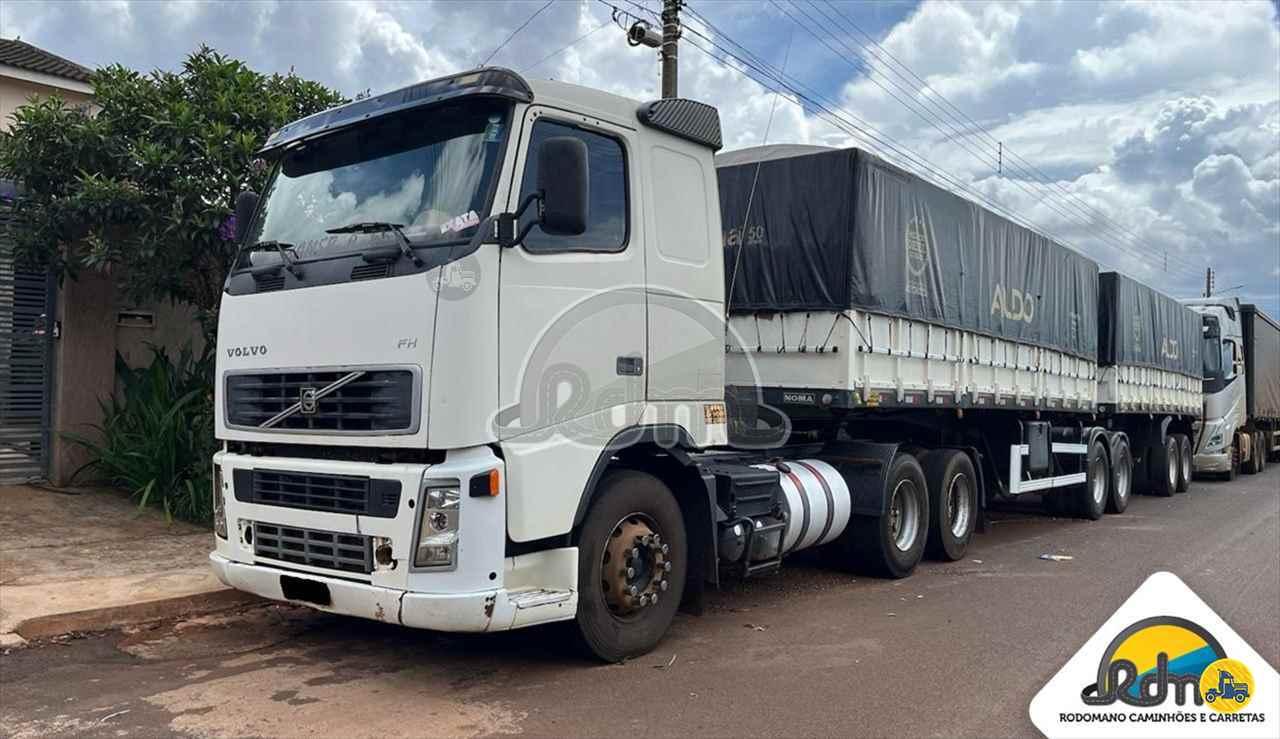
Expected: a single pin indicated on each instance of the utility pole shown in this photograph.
(1208, 282)
(670, 35)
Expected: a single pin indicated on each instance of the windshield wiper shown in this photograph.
(282, 248)
(371, 227)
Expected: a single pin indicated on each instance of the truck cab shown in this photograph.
(1218, 451)
(454, 304)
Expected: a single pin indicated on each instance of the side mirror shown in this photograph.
(246, 204)
(562, 178)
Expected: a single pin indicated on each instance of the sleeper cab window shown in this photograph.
(607, 191)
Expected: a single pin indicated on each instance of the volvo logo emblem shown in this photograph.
(308, 403)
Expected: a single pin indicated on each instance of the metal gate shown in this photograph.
(26, 358)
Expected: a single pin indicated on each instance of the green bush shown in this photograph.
(156, 438)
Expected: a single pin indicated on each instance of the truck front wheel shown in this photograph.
(632, 566)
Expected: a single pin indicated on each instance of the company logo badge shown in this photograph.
(1164, 665)
(1015, 306)
(247, 351)
(308, 403)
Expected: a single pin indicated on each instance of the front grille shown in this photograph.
(374, 401)
(318, 492)
(327, 549)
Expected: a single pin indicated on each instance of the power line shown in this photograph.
(519, 28)
(746, 215)
(1068, 210)
(1034, 173)
(566, 47)
(836, 115)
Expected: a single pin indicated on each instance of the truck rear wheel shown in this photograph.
(953, 503)
(1262, 451)
(891, 545)
(1091, 500)
(1121, 477)
(1184, 462)
(1162, 468)
(632, 566)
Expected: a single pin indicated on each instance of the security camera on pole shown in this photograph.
(642, 33)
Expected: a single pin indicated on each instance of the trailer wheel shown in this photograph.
(953, 503)
(1091, 499)
(632, 566)
(1121, 477)
(1262, 451)
(1184, 462)
(892, 544)
(1162, 468)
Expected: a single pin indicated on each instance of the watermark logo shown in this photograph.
(1164, 665)
(561, 397)
(458, 279)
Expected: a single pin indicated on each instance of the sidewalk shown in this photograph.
(88, 560)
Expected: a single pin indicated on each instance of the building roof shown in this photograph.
(22, 55)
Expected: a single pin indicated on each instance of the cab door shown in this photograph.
(572, 334)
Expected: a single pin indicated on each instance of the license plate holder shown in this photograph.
(307, 591)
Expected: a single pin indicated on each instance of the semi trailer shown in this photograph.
(1241, 387)
(650, 376)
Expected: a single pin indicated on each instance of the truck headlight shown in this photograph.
(438, 527)
(219, 511)
(1215, 442)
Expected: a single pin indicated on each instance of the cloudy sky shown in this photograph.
(1146, 135)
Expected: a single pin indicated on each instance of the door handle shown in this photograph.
(631, 366)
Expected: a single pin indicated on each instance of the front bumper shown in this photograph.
(483, 590)
(490, 610)
(1216, 462)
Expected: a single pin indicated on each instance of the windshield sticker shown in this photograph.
(459, 223)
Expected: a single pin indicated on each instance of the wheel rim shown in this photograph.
(1173, 465)
(1186, 462)
(635, 567)
(904, 515)
(1123, 475)
(1098, 478)
(959, 505)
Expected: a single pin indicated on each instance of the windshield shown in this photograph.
(430, 170)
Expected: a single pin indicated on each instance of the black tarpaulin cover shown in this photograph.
(1139, 326)
(840, 229)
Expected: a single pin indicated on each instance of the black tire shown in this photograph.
(1184, 462)
(868, 544)
(603, 633)
(1233, 465)
(1162, 468)
(1121, 477)
(1262, 452)
(1091, 498)
(949, 472)
(1253, 466)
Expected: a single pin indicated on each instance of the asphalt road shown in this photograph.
(956, 650)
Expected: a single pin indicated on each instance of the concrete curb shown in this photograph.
(114, 617)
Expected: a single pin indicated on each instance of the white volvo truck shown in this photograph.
(473, 358)
(1241, 388)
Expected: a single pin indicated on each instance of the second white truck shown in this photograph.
(498, 353)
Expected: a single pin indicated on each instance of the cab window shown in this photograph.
(607, 191)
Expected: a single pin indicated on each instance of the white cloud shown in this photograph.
(1165, 117)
